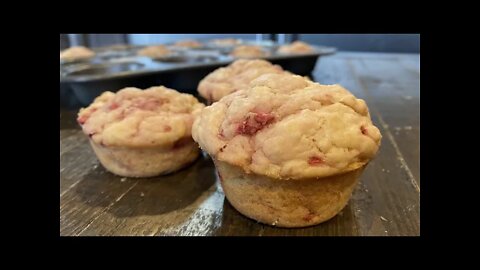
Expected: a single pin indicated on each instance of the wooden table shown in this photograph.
(190, 202)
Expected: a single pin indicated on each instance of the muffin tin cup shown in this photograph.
(286, 203)
(145, 162)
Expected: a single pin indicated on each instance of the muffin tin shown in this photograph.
(117, 67)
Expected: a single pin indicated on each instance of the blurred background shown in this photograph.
(81, 81)
(395, 43)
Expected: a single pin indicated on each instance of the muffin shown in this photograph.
(288, 151)
(188, 43)
(157, 51)
(248, 51)
(297, 47)
(119, 47)
(225, 42)
(76, 53)
(142, 133)
(236, 76)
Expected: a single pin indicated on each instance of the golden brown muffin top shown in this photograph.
(77, 52)
(286, 127)
(248, 51)
(296, 47)
(154, 51)
(234, 77)
(155, 117)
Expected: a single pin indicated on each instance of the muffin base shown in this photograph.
(144, 162)
(286, 203)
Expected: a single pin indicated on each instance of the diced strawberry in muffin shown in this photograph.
(364, 130)
(252, 124)
(315, 161)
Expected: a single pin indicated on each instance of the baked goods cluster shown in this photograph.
(288, 151)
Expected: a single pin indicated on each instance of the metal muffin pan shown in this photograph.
(111, 70)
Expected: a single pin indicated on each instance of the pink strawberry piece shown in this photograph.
(150, 105)
(252, 125)
(81, 120)
(264, 118)
(364, 130)
(314, 161)
(113, 106)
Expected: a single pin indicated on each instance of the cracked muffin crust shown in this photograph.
(75, 53)
(142, 133)
(282, 134)
(234, 77)
(296, 47)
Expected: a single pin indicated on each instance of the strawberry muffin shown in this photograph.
(234, 77)
(288, 151)
(297, 47)
(188, 43)
(157, 51)
(76, 53)
(225, 42)
(248, 51)
(142, 133)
